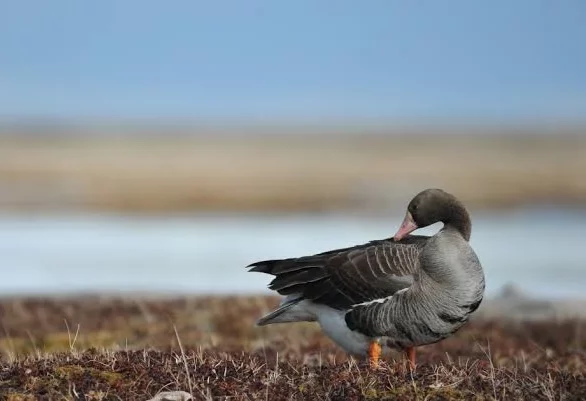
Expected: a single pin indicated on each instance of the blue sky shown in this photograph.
(298, 60)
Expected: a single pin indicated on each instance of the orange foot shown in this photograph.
(374, 352)
(411, 357)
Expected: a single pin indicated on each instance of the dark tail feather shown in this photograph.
(284, 282)
(281, 266)
(265, 266)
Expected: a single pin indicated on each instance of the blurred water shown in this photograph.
(541, 250)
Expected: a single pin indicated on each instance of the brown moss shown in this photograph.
(19, 397)
(70, 372)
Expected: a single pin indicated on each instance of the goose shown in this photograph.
(397, 293)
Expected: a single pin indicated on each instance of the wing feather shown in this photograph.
(344, 277)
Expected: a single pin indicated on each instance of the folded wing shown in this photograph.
(345, 277)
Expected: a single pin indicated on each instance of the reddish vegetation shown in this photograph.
(128, 349)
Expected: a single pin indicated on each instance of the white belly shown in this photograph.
(334, 326)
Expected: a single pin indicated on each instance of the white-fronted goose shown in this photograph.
(399, 293)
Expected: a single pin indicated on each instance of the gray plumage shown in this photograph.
(449, 287)
(409, 292)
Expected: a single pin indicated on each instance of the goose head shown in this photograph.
(431, 206)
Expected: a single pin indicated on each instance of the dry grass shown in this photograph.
(131, 349)
(286, 173)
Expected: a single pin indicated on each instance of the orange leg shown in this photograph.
(411, 357)
(374, 352)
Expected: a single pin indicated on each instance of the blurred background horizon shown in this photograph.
(162, 148)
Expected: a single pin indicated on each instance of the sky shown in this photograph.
(305, 60)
